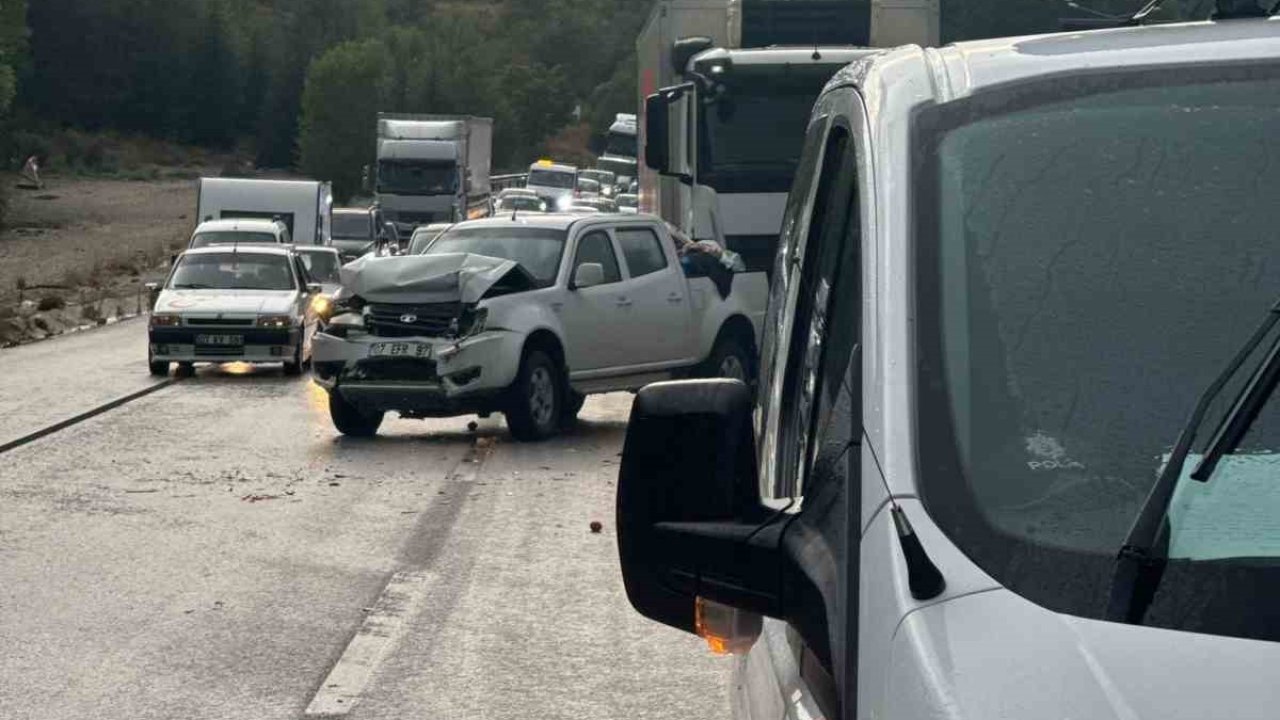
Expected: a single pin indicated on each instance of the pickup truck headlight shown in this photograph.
(472, 322)
(275, 322)
(166, 320)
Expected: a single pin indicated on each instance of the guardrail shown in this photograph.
(502, 182)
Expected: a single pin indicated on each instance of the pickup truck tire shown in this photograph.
(729, 359)
(350, 420)
(536, 403)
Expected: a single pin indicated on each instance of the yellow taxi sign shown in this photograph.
(545, 162)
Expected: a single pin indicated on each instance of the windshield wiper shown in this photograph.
(1137, 569)
(1244, 411)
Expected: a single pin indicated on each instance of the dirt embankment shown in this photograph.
(81, 249)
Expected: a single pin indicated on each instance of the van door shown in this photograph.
(812, 412)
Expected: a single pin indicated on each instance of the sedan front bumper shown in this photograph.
(179, 344)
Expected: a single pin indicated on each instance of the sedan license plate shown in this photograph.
(220, 340)
(416, 351)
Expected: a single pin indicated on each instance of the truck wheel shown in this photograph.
(294, 367)
(729, 359)
(537, 398)
(350, 420)
(573, 402)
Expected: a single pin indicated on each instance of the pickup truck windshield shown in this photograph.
(354, 226)
(417, 177)
(232, 271)
(230, 237)
(552, 179)
(750, 139)
(538, 250)
(1091, 255)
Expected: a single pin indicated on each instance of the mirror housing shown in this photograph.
(588, 275)
(657, 134)
(690, 522)
(683, 50)
(314, 288)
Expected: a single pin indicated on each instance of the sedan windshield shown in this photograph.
(230, 237)
(321, 266)
(1090, 259)
(232, 271)
(537, 250)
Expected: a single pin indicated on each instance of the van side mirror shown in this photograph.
(657, 134)
(690, 522)
(588, 275)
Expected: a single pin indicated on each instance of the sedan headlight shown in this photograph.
(322, 306)
(165, 320)
(275, 322)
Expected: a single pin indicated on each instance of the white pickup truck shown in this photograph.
(526, 316)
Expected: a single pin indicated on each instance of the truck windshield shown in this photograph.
(230, 237)
(623, 144)
(750, 139)
(232, 271)
(552, 179)
(354, 226)
(538, 250)
(417, 177)
(1090, 255)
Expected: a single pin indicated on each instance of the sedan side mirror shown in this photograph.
(588, 275)
(691, 527)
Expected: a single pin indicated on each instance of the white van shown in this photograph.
(555, 183)
(980, 480)
(304, 206)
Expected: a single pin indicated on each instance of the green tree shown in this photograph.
(344, 90)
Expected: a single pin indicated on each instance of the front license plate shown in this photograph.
(416, 351)
(220, 340)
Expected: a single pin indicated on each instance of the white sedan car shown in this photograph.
(223, 304)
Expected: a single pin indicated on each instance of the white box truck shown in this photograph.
(304, 206)
(432, 168)
(728, 85)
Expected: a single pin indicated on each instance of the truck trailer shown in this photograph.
(304, 206)
(432, 168)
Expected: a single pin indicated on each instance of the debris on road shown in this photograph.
(253, 498)
(596, 526)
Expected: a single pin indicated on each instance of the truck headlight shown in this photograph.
(166, 320)
(275, 322)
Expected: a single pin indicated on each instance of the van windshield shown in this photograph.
(355, 226)
(1091, 256)
(551, 178)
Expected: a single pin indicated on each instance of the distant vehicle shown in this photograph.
(526, 317)
(607, 179)
(322, 265)
(599, 204)
(628, 202)
(249, 303)
(553, 182)
(520, 203)
(235, 232)
(620, 150)
(587, 188)
(424, 236)
(432, 168)
(355, 232)
(304, 206)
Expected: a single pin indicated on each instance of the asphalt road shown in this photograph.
(215, 550)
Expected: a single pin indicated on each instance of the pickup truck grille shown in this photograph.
(395, 370)
(432, 320)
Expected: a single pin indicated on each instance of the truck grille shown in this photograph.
(417, 218)
(434, 320)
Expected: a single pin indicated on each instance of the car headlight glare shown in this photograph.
(563, 202)
(275, 321)
(322, 306)
(165, 320)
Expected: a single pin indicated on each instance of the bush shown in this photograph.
(344, 89)
(51, 302)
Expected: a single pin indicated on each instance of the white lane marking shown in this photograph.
(382, 628)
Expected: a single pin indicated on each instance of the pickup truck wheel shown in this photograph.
(537, 398)
(350, 420)
(729, 360)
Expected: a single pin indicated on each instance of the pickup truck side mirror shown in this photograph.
(588, 275)
(691, 527)
(657, 140)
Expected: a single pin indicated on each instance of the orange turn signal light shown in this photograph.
(727, 630)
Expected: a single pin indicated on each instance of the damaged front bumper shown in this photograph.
(419, 376)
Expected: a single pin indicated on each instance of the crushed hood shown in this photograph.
(424, 279)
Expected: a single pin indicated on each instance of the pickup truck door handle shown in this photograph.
(675, 298)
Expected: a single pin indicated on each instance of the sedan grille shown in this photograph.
(221, 322)
(434, 320)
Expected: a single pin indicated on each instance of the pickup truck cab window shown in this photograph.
(595, 247)
(642, 250)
